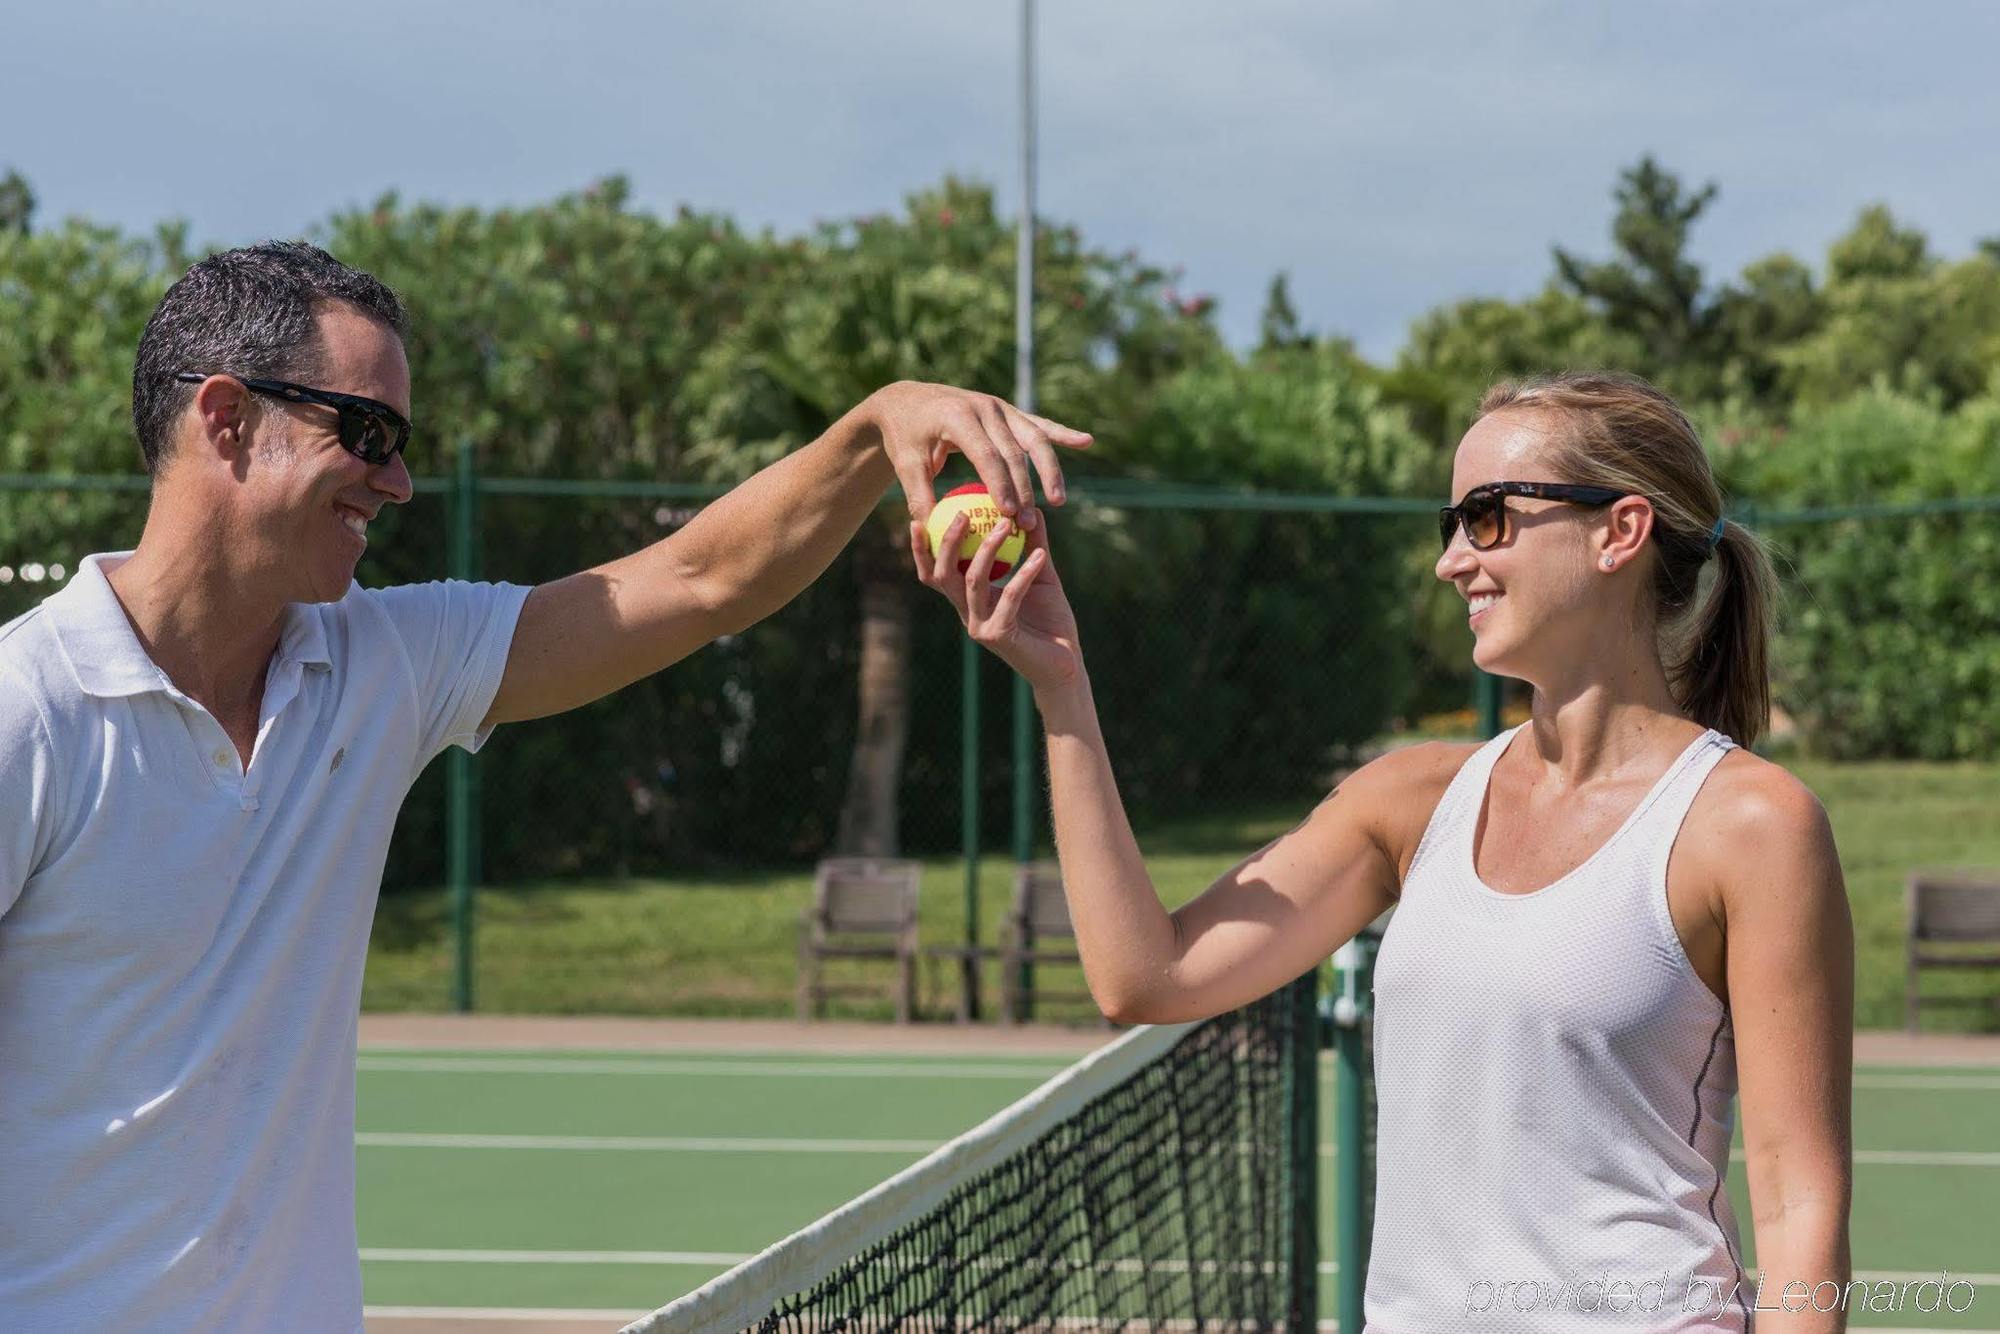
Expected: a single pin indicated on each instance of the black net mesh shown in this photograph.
(1166, 1202)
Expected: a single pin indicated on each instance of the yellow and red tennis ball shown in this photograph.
(981, 517)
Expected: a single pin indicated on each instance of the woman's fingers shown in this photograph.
(1037, 539)
(941, 571)
(1009, 606)
(979, 574)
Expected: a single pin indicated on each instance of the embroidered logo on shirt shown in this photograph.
(338, 756)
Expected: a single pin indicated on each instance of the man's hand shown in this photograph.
(921, 424)
(752, 550)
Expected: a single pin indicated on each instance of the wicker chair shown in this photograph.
(1951, 914)
(863, 908)
(1037, 930)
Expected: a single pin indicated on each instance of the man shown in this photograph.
(203, 747)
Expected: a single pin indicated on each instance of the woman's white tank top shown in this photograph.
(1556, 1090)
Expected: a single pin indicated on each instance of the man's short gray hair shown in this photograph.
(249, 311)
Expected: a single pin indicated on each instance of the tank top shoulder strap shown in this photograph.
(1458, 809)
(1654, 829)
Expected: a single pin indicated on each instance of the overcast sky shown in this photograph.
(1388, 154)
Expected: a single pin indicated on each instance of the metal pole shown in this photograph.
(968, 787)
(1354, 968)
(1024, 398)
(461, 793)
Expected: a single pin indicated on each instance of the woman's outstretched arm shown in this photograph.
(1263, 923)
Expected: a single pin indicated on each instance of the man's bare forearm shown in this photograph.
(756, 548)
(743, 557)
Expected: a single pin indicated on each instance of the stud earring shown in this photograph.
(1609, 562)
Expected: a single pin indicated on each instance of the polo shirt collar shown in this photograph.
(104, 653)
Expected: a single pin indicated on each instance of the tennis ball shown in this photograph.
(981, 516)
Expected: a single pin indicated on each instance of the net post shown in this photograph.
(1302, 1299)
(461, 780)
(1352, 1151)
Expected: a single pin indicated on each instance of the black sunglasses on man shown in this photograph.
(1484, 509)
(370, 430)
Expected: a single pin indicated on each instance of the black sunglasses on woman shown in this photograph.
(370, 430)
(1483, 512)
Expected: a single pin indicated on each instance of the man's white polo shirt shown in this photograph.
(181, 944)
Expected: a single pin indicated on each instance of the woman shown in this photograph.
(1569, 992)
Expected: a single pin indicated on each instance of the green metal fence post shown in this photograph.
(1486, 692)
(968, 781)
(1025, 765)
(461, 791)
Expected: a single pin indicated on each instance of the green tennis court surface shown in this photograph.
(606, 1183)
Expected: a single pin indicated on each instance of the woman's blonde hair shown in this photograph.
(1619, 431)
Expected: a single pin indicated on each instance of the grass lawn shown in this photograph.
(729, 946)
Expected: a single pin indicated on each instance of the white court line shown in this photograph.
(500, 1065)
(1950, 1083)
(433, 1256)
(386, 1255)
(382, 1139)
(640, 1143)
(548, 1313)
(1915, 1158)
(623, 1317)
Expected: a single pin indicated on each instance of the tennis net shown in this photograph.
(1166, 1181)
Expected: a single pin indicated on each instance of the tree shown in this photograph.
(73, 300)
(1273, 640)
(1894, 316)
(1279, 325)
(17, 204)
(1650, 289)
(1455, 352)
(1772, 306)
(925, 296)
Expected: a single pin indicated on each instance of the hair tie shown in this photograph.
(1715, 534)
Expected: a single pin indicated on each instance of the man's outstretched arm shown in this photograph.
(754, 549)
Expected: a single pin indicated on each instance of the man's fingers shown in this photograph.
(1066, 436)
(973, 440)
(918, 496)
(1013, 453)
(1035, 440)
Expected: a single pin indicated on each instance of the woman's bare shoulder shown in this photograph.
(1751, 811)
(1401, 789)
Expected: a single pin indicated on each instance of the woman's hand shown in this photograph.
(1028, 624)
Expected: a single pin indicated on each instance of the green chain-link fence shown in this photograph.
(652, 852)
